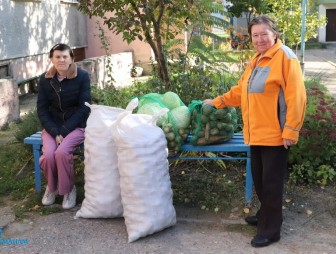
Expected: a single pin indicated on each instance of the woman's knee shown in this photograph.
(46, 160)
(62, 154)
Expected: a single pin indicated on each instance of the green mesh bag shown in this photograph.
(175, 124)
(210, 125)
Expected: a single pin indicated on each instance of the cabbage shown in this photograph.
(180, 117)
(171, 100)
(152, 109)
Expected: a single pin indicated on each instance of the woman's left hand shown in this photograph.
(208, 102)
(288, 142)
(59, 139)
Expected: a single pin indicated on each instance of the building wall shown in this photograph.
(142, 52)
(322, 12)
(28, 29)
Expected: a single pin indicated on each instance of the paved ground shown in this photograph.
(321, 63)
(195, 232)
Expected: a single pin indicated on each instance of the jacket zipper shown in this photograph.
(59, 98)
(248, 104)
(249, 84)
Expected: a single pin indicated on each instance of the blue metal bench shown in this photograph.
(36, 141)
(235, 145)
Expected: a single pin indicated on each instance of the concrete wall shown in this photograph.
(28, 29)
(141, 51)
(117, 65)
(9, 102)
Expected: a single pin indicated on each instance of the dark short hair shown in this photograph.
(264, 19)
(61, 47)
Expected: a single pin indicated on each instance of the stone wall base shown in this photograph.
(9, 102)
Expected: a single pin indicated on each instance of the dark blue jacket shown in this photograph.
(60, 105)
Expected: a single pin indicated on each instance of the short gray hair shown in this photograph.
(264, 19)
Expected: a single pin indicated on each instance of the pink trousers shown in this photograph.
(57, 163)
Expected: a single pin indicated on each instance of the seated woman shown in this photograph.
(62, 92)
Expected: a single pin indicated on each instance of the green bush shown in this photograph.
(110, 96)
(29, 125)
(317, 144)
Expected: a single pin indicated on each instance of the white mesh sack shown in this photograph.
(102, 190)
(146, 192)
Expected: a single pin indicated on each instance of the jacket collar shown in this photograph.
(269, 53)
(71, 74)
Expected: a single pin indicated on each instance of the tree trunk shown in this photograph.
(162, 68)
(161, 63)
(160, 57)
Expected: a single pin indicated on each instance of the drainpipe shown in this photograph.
(303, 30)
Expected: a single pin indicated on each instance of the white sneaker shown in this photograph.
(49, 197)
(69, 199)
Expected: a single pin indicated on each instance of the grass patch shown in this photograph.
(17, 178)
(315, 45)
(206, 185)
(13, 156)
(20, 188)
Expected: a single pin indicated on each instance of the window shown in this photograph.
(70, 1)
(26, 0)
(4, 70)
(79, 54)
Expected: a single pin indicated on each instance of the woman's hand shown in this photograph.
(288, 142)
(59, 139)
(208, 102)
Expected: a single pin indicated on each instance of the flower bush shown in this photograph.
(313, 158)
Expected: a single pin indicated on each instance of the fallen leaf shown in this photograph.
(35, 208)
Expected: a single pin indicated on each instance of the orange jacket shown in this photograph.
(272, 97)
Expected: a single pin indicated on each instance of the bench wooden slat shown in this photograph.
(33, 140)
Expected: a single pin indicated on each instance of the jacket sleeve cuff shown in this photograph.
(218, 102)
(290, 134)
(54, 132)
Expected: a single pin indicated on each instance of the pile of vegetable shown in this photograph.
(175, 123)
(210, 125)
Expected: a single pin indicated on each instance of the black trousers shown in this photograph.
(269, 165)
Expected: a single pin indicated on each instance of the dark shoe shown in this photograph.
(252, 220)
(259, 241)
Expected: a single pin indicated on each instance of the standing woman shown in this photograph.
(62, 92)
(272, 97)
